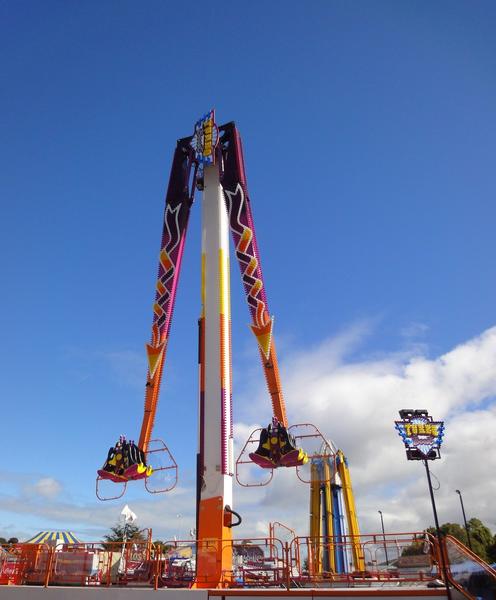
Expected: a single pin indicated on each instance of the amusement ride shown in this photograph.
(211, 161)
(334, 553)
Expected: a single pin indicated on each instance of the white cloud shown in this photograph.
(355, 404)
(47, 487)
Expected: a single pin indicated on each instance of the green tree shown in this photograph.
(491, 551)
(453, 529)
(118, 532)
(480, 537)
(414, 549)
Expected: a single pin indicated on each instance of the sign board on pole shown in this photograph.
(421, 435)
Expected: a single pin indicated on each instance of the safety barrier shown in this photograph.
(364, 560)
(300, 562)
(467, 572)
(259, 562)
(75, 564)
(19, 563)
(255, 562)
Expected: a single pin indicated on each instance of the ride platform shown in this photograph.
(262, 568)
(71, 593)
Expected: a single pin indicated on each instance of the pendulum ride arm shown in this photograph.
(233, 180)
(177, 208)
(125, 461)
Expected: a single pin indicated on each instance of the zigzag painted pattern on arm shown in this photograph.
(245, 252)
(169, 253)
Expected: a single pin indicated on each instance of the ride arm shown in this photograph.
(233, 180)
(178, 202)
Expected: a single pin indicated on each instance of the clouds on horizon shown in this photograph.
(354, 402)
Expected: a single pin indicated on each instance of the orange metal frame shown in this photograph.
(302, 433)
(146, 564)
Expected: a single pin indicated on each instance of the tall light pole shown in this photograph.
(384, 538)
(422, 437)
(465, 520)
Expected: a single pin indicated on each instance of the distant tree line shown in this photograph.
(130, 533)
(483, 542)
(119, 532)
(10, 541)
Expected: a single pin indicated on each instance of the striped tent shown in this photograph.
(53, 537)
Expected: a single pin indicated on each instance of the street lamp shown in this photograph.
(465, 519)
(384, 538)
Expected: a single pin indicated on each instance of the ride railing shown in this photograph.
(364, 560)
(257, 562)
(342, 561)
(467, 572)
(112, 563)
(19, 563)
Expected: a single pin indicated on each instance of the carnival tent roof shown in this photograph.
(43, 537)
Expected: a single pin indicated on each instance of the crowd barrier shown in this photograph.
(468, 573)
(351, 560)
(382, 559)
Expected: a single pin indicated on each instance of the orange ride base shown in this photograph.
(214, 553)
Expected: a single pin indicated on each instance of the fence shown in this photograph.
(390, 559)
(363, 560)
(468, 573)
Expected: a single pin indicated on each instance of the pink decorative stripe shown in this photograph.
(224, 435)
(174, 286)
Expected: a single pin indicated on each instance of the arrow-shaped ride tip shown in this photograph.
(154, 354)
(264, 336)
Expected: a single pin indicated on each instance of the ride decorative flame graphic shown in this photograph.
(154, 351)
(251, 272)
(166, 270)
(169, 255)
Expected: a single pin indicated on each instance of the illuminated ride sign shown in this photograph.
(421, 435)
(205, 139)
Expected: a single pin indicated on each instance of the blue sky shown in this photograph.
(369, 131)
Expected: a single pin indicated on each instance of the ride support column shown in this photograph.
(215, 456)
